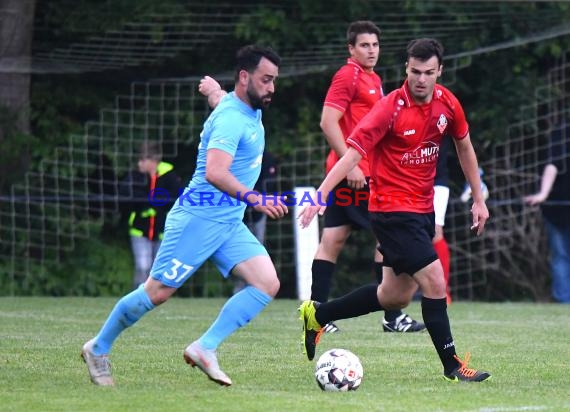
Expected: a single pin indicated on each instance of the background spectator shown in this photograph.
(555, 187)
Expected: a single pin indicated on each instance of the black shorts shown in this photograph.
(348, 207)
(405, 239)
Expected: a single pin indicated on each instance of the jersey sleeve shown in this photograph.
(224, 134)
(372, 128)
(459, 127)
(341, 90)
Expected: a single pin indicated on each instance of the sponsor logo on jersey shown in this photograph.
(410, 132)
(427, 152)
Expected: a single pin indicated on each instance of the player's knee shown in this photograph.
(391, 305)
(332, 245)
(274, 287)
(437, 290)
(434, 287)
(268, 284)
(159, 297)
(157, 292)
(393, 301)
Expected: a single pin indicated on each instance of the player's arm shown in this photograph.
(210, 88)
(337, 173)
(330, 126)
(546, 183)
(330, 118)
(218, 174)
(468, 162)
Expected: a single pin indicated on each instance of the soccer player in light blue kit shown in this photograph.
(206, 223)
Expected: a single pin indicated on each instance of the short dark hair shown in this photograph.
(248, 58)
(150, 150)
(360, 27)
(424, 49)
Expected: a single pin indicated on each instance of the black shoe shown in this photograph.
(464, 374)
(331, 328)
(403, 323)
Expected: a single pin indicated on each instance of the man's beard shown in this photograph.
(255, 100)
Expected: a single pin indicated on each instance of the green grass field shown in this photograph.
(525, 346)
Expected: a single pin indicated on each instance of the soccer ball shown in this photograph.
(338, 370)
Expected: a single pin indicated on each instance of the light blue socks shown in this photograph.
(237, 312)
(126, 312)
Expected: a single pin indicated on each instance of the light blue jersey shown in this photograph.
(206, 224)
(235, 128)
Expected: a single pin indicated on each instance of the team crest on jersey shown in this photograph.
(442, 123)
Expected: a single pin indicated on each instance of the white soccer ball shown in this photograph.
(338, 370)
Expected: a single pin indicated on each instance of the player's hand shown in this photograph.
(480, 217)
(309, 212)
(535, 199)
(208, 85)
(273, 206)
(356, 179)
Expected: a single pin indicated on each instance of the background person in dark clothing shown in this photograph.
(153, 187)
(267, 183)
(554, 199)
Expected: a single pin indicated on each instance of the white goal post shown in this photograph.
(306, 243)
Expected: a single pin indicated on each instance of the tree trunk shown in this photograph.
(16, 32)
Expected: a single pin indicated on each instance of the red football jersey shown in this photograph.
(401, 140)
(353, 91)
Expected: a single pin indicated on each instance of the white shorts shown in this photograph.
(440, 200)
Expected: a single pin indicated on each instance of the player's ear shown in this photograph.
(243, 77)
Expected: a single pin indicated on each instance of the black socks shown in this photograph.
(359, 302)
(434, 312)
(322, 271)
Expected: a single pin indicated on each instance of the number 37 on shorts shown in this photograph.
(178, 272)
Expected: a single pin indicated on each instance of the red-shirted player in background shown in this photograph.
(355, 88)
(401, 137)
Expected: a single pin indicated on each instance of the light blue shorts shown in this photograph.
(190, 240)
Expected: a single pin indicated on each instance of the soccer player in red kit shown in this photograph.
(354, 90)
(401, 137)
